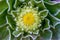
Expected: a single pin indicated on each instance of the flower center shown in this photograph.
(28, 18)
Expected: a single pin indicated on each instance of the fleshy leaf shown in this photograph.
(14, 14)
(53, 19)
(29, 37)
(3, 5)
(25, 38)
(10, 21)
(56, 32)
(4, 33)
(17, 33)
(46, 25)
(17, 3)
(3, 18)
(15, 38)
(43, 13)
(52, 7)
(57, 14)
(10, 4)
(39, 4)
(34, 3)
(46, 35)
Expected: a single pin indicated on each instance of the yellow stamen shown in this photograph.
(28, 18)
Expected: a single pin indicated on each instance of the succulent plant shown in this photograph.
(29, 20)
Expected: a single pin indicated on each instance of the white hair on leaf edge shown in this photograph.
(8, 5)
(8, 23)
(32, 36)
(47, 24)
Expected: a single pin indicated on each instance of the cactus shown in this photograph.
(29, 20)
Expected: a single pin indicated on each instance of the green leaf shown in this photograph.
(53, 20)
(15, 38)
(16, 33)
(17, 3)
(10, 21)
(26, 38)
(46, 35)
(43, 13)
(4, 33)
(29, 37)
(3, 18)
(3, 5)
(52, 7)
(58, 14)
(14, 13)
(39, 4)
(45, 24)
(10, 4)
(56, 32)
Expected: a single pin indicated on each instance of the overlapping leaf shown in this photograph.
(51, 19)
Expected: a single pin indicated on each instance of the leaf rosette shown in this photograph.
(30, 20)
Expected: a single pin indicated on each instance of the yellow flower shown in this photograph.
(28, 19)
